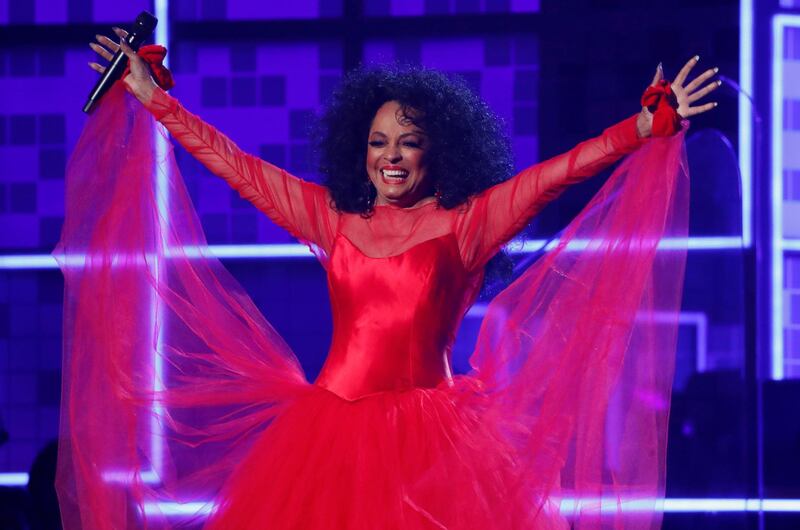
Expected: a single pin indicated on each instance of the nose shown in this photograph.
(393, 154)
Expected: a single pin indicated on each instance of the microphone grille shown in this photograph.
(145, 24)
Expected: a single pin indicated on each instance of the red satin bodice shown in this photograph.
(395, 317)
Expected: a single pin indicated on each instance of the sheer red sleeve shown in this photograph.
(496, 215)
(302, 208)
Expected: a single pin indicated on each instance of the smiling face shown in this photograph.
(396, 158)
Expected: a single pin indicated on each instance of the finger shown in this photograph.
(108, 43)
(120, 32)
(97, 68)
(700, 79)
(659, 75)
(127, 50)
(704, 91)
(681, 77)
(102, 52)
(693, 111)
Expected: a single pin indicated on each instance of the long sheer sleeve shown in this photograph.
(496, 215)
(302, 208)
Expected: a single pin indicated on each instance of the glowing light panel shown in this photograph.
(777, 359)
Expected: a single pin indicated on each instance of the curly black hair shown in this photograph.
(469, 149)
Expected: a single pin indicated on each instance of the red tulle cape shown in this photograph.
(182, 407)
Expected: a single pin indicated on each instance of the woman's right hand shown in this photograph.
(139, 82)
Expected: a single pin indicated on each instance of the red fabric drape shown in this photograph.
(171, 373)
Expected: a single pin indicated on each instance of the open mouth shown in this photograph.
(394, 176)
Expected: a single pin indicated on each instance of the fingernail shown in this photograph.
(696, 57)
(660, 67)
(716, 69)
(715, 103)
(719, 82)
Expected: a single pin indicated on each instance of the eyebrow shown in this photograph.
(417, 133)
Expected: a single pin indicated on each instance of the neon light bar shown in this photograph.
(287, 251)
(161, 8)
(179, 509)
(30, 261)
(692, 243)
(127, 477)
(607, 505)
(792, 245)
(156, 310)
(776, 200)
(675, 505)
(13, 479)
(746, 115)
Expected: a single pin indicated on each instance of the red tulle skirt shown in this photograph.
(183, 408)
(376, 462)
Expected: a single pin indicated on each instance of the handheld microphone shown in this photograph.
(142, 28)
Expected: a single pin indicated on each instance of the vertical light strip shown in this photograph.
(162, 168)
(776, 202)
(746, 116)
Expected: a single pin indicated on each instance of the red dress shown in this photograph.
(182, 406)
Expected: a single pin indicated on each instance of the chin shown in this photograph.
(392, 193)
(400, 196)
(396, 195)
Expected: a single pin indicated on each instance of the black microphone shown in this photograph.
(142, 28)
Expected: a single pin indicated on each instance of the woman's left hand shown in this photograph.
(685, 93)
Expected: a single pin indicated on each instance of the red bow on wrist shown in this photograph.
(661, 101)
(154, 54)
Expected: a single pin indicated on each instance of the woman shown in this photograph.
(568, 395)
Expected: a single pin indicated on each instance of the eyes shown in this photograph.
(407, 143)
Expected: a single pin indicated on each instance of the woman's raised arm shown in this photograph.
(302, 208)
(496, 215)
(499, 213)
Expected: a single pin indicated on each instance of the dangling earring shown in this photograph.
(370, 193)
(437, 193)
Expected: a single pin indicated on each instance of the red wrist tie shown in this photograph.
(154, 54)
(661, 101)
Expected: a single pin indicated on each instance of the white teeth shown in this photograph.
(394, 172)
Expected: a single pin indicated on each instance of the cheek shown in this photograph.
(373, 156)
(369, 163)
(421, 165)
